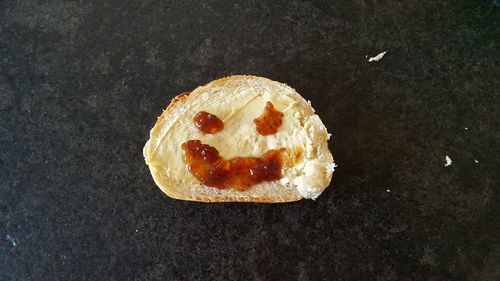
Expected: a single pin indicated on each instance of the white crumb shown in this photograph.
(388, 190)
(137, 230)
(476, 161)
(448, 161)
(466, 128)
(377, 57)
(11, 240)
(330, 167)
(328, 136)
(310, 104)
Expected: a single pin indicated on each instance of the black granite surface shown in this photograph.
(82, 82)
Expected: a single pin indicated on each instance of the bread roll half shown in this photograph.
(237, 101)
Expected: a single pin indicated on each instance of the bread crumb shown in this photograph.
(310, 104)
(388, 190)
(466, 128)
(377, 57)
(328, 136)
(476, 161)
(330, 167)
(11, 240)
(448, 161)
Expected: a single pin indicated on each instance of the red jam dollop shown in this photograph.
(208, 123)
(269, 120)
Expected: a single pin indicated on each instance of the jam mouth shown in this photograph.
(205, 164)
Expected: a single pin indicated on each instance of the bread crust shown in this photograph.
(170, 190)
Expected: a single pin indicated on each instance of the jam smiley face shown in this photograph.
(205, 163)
(240, 138)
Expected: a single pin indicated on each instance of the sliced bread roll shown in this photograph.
(237, 101)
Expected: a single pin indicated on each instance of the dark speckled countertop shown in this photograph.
(82, 82)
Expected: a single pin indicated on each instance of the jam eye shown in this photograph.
(269, 120)
(208, 123)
